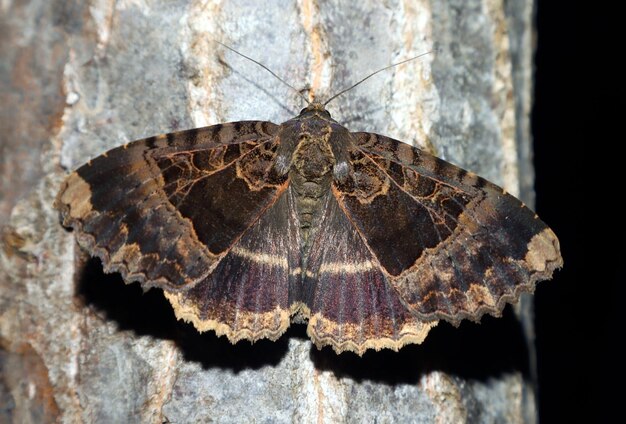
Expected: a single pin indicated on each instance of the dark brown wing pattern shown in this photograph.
(399, 240)
(459, 245)
(349, 301)
(166, 211)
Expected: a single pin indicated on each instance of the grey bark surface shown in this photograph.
(78, 78)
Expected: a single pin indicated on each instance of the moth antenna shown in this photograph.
(267, 69)
(374, 73)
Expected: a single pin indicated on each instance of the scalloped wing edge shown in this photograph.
(87, 240)
(545, 258)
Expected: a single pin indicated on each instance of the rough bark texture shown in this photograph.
(78, 78)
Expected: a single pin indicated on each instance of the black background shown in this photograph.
(575, 120)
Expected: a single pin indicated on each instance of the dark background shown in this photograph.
(575, 121)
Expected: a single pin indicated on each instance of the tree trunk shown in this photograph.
(78, 78)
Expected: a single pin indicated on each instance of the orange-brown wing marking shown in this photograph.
(453, 244)
(165, 210)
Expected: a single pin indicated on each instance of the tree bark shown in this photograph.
(78, 78)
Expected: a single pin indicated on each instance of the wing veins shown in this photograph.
(430, 209)
(420, 171)
(189, 184)
(206, 174)
(257, 141)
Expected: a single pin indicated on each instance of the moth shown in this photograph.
(249, 226)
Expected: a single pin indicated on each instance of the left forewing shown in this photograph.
(165, 210)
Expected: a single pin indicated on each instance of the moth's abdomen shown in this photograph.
(311, 175)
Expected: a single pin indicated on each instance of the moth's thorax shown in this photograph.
(313, 157)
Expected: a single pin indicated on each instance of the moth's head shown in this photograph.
(315, 108)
